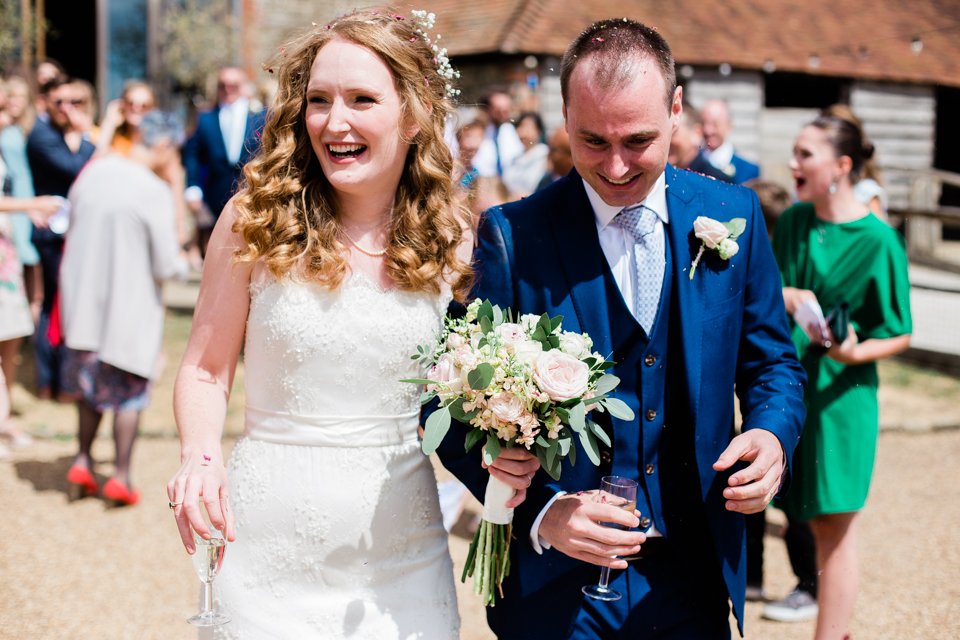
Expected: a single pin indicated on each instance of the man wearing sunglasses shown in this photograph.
(57, 151)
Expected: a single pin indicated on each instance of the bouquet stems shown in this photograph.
(489, 553)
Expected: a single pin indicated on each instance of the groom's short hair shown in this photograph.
(618, 43)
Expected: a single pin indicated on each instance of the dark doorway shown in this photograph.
(783, 89)
(947, 152)
(72, 37)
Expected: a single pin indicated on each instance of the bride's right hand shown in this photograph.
(201, 477)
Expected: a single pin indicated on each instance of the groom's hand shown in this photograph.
(572, 526)
(514, 467)
(751, 489)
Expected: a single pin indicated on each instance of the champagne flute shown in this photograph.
(207, 560)
(620, 492)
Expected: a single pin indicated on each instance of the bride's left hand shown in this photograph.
(515, 467)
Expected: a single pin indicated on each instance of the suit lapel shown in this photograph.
(684, 205)
(575, 231)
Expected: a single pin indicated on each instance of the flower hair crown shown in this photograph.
(424, 22)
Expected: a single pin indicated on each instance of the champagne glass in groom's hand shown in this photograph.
(619, 492)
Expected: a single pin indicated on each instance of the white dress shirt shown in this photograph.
(233, 125)
(503, 140)
(721, 157)
(617, 245)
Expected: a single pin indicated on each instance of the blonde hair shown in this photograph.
(287, 211)
(29, 116)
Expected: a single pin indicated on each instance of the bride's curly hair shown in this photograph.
(287, 214)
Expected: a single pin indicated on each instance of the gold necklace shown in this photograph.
(372, 254)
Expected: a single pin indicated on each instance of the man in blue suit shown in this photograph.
(683, 342)
(718, 149)
(225, 139)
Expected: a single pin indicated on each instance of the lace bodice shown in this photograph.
(315, 352)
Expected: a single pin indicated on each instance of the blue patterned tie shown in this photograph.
(648, 251)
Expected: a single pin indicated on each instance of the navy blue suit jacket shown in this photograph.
(542, 254)
(206, 162)
(743, 169)
(53, 165)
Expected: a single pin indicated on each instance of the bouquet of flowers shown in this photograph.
(524, 383)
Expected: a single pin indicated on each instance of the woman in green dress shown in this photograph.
(831, 249)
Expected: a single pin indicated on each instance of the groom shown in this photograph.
(583, 249)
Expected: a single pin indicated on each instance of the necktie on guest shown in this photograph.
(650, 259)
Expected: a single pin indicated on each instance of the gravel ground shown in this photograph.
(82, 570)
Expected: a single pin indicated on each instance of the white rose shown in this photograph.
(527, 351)
(710, 231)
(728, 248)
(529, 322)
(574, 344)
(561, 376)
(455, 340)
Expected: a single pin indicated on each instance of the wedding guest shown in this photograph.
(16, 321)
(121, 123)
(860, 263)
(501, 144)
(45, 71)
(334, 261)
(86, 101)
(225, 139)
(612, 248)
(19, 115)
(774, 200)
(686, 146)
(559, 160)
(868, 188)
(57, 151)
(524, 174)
(121, 246)
(717, 147)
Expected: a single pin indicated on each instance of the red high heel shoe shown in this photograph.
(82, 483)
(119, 494)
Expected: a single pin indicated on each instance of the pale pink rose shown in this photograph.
(464, 356)
(710, 231)
(506, 407)
(561, 376)
(510, 333)
(455, 340)
(446, 373)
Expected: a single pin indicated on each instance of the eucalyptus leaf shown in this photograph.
(599, 433)
(564, 414)
(607, 383)
(542, 442)
(419, 381)
(486, 324)
(485, 310)
(590, 447)
(427, 396)
(578, 416)
(481, 376)
(618, 408)
(552, 470)
(736, 227)
(564, 444)
(552, 450)
(436, 428)
(497, 316)
(555, 322)
(493, 449)
(573, 451)
(473, 437)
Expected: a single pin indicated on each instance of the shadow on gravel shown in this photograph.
(46, 475)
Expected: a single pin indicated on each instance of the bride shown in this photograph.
(337, 258)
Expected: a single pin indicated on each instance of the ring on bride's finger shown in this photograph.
(174, 504)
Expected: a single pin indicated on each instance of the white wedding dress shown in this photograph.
(339, 532)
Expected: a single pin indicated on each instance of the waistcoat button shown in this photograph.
(651, 414)
(650, 360)
(644, 522)
(649, 469)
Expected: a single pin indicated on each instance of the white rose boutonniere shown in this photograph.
(717, 236)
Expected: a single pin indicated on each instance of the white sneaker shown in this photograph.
(798, 606)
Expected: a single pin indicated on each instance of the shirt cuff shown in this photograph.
(539, 544)
(193, 194)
